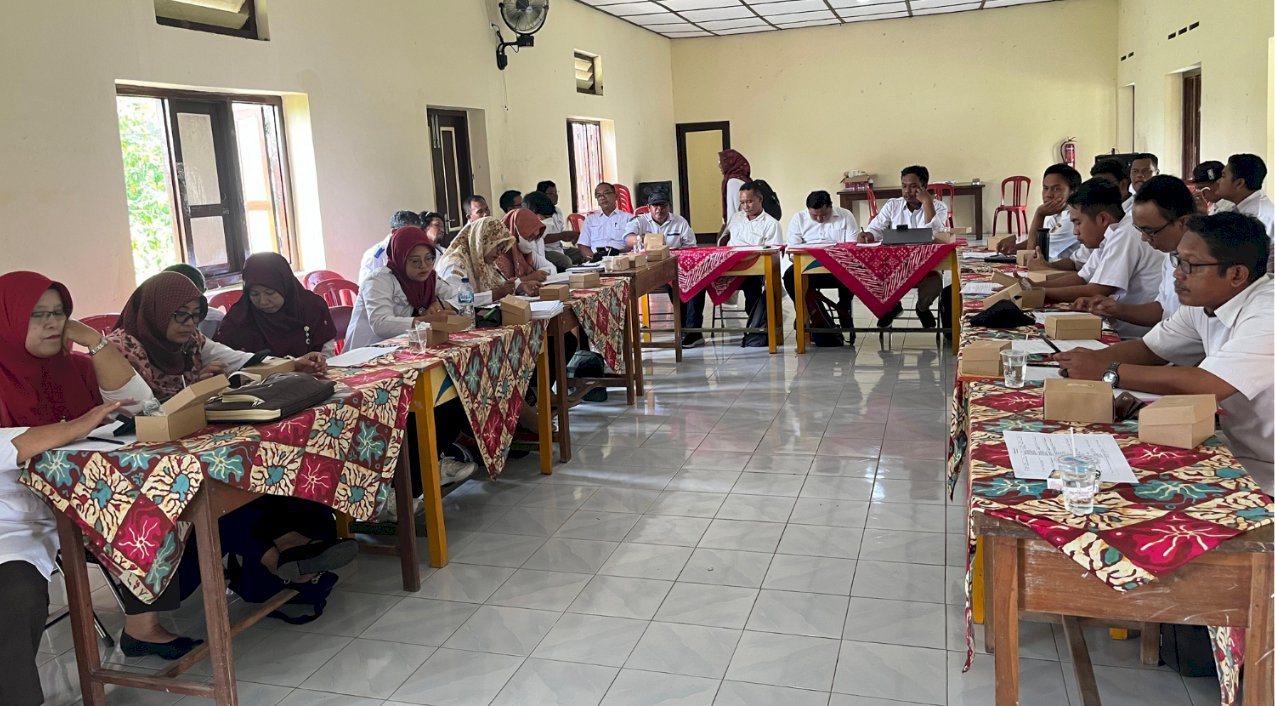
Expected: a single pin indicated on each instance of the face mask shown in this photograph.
(526, 247)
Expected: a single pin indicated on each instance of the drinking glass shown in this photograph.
(1080, 479)
(1014, 364)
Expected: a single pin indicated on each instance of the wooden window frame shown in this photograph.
(596, 88)
(571, 157)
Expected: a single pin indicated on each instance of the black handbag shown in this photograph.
(273, 398)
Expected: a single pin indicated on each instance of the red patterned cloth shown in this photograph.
(701, 268)
(881, 274)
(602, 312)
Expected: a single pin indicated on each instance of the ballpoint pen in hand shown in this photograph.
(1050, 343)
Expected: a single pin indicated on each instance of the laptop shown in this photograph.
(908, 236)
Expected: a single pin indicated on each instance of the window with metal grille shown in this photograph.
(588, 73)
(237, 18)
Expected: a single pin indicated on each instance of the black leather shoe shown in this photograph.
(691, 340)
(927, 318)
(178, 648)
(890, 316)
(315, 558)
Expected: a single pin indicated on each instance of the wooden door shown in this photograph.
(699, 176)
(453, 171)
(1190, 121)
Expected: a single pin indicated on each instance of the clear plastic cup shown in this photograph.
(1080, 480)
(418, 337)
(1014, 363)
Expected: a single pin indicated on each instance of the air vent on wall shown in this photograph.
(1184, 30)
(235, 17)
(1127, 56)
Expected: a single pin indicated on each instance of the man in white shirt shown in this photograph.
(557, 233)
(1161, 209)
(476, 207)
(1143, 166)
(1203, 183)
(1122, 266)
(1221, 342)
(1058, 184)
(603, 230)
(376, 256)
(822, 222)
(677, 233)
(1241, 184)
(1113, 172)
(751, 225)
(510, 200)
(917, 208)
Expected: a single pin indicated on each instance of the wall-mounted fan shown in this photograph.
(525, 18)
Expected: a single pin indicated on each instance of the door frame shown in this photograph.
(464, 161)
(684, 191)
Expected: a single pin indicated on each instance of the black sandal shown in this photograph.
(315, 558)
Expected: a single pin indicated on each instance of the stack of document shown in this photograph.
(975, 255)
(1036, 346)
(558, 278)
(359, 356)
(545, 310)
(980, 289)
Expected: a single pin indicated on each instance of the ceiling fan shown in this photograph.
(525, 18)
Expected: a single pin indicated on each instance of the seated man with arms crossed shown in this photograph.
(1059, 183)
(751, 225)
(1121, 267)
(916, 208)
(1221, 342)
(821, 222)
(1161, 209)
(1241, 184)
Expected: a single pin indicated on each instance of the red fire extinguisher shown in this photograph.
(1068, 152)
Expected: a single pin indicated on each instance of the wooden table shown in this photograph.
(562, 400)
(643, 281)
(1230, 585)
(804, 265)
(766, 264)
(849, 196)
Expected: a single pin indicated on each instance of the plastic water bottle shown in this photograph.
(465, 298)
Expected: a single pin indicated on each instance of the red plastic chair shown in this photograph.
(102, 323)
(642, 210)
(947, 194)
(341, 317)
(623, 198)
(577, 221)
(337, 292)
(311, 279)
(225, 300)
(1015, 212)
(872, 201)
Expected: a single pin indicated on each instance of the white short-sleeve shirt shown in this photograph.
(382, 311)
(603, 231)
(1168, 296)
(676, 231)
(762, 230)
(1062, 237)
(556, 223)
(1260, 207)
(1237, 344)
(841, 227)
(732, 196)
(895, 213)
(1130, 265)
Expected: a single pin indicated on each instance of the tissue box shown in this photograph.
(1024, 298)
(1084, 401)
(656, 254)
(653, 240)
(282, 365)
(449, 323)
(1073, 327)
(555, 293)
(638, 259)
(585, 280)
(982, 358)
(515, 310)
(183, 412)
(1181, 421)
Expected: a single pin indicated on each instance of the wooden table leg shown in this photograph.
(989, 609)
(635, 337)
(773, 324)
(79, 598)
(427, 461)
(406, 529)
(1258, 641)
(631, 375)
(645, 302)
(562, 403)
(216, 613)
(978, 212)
(957, 313)
(799, 299)
(544, 409)
(1150, 647)
(1080, 661)
(1005, 607)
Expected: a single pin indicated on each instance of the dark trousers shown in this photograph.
(827, 281)
(24, 606)
(755, 306)
(449, 423)
(692, 311)
(927, 290)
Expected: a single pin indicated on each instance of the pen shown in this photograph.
(106, 441)
(1045, 338)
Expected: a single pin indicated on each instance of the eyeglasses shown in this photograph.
(43, 316)
(1190, 267)
(184, 317)
(1152, 232)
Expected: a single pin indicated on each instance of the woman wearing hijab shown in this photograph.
(529, 232)
(735, 171)
(278, 314)
(484, 252)
(398, 296)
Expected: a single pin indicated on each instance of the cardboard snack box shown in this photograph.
(993, 243)
(555, 293)
(515, 310)
(638, 259)
(585, 280)
(1023, 257)
(1024, 298)
(1083, 401)
(1074, 327)
(983, 358)
(1181, 421)
(270, 367)
(1039, 276)
(183, 413)
(658, 253)
(1003, 279)
(449, 323)
(436, 336)
(653, 240)
(617, 263)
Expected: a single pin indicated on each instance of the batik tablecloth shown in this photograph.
(1186, 501)
(880, 275)
(127, 502)
(701, 268)
(490, 368)
(603, 313)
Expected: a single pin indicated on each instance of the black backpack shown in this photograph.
(769, 199)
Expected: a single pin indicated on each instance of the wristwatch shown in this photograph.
(1112, 375)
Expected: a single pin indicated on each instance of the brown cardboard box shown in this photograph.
(1074, 327)
(183, 412)
(436, 336)
(1084, 401)
(450, 323)
(1181, 421)
(585, 280)
(653, 240)
(657, 254)
(555, 293)
(514, 310)
(1023, 256)
(638, 259)
(1002, 278)
(992, 243)
(1040, 276)
(282, 365)
(982, 358)
(618, 263)
(1024, 298)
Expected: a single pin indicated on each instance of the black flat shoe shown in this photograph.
(176, 649)
(316, 558)
(890, 316)
(927, 318)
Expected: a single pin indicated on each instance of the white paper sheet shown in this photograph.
(1037, 346)
(975, 255)
(108, 440)
(359, 356)
(1032, 454)
(545, 310)
(755, 248)
(559, 278)
(982, 289)
(873, 244)
(1038, 373)
(585, 268)
(1144, 396)
(811, 246)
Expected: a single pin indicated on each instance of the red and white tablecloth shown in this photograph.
(701, 268)
(879, 275)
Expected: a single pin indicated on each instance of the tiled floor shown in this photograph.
(760, 530)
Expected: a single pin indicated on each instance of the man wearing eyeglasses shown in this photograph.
(1221, 341)
(603, 230)
(1161, 209)
(1121, 266)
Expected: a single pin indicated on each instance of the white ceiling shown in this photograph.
(705, 18)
